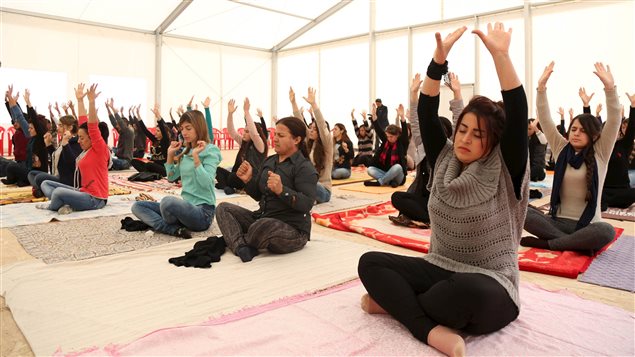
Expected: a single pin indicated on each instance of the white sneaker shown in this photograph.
(66, 209)
(42, 206)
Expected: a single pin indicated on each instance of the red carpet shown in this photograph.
(373, 222)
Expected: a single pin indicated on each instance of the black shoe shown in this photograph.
(535, 194)
(182, 232)
(371, 183)
(246, 253)
(229, 190)
(394, 184)
(6, 181)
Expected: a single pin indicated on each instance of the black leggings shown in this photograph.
(420, 295)
(226, 178)
(149, 166)
(618, 197)
(412, 206)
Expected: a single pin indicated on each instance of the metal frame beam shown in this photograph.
(178, 10)
(325, 15)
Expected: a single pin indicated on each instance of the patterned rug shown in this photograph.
(615, 268)
(158, 185)
(85, 239)
(25, 195)
(622, 214)
(373, 222)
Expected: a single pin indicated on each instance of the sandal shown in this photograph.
(145, 197)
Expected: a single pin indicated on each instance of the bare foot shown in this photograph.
(446, 341)
(370, 306)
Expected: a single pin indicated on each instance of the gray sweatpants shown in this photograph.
(239, 227)
(561, 234)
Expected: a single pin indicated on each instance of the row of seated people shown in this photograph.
(475, 194)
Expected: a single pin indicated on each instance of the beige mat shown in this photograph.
(118, 298)
(359, 187)
(355, 177)
(84, 239)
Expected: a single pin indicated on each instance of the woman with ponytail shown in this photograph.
(196, 167)
(574, 221)
(285, 186)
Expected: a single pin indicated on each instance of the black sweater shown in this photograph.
(617, 171)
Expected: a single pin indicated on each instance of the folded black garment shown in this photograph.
(203, 254)
(133, 225)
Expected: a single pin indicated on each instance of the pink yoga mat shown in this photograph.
(332, 323)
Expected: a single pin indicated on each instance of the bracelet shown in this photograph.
(436, 71)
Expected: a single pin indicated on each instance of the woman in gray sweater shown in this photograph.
(478, 200)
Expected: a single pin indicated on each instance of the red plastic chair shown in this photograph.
(229, 142)
(218, 138)
(241, 131)
(10, 133)
(115, 137)
(272, 133)
(2, 141)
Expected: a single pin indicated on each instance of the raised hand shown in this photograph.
(174, 147)
(444, 46)
(353, 113)
(200, 146)
(586, 99)
(65, 108)
(246, 105)
(632, 99)
(400, 112)
(180, 110)
(274, 183)
(259, 112)
(71, 105)
(364, 114)
(137, 110)
(534, 125)
(93, 94)
(195, 106)
(415, 87)
(57, 109)
(373, 112)
(454, 84)
(12, 99)
(189, 104)
(291, 95)
(231, 106)
(206, 102)
(598, 109)
(561, 112)
(27, 97)
(605, 75)
(497, 39)
(80, 93)
(542, 82)
(310, 97)
(245, 172)
(570, 114)
(156, 110)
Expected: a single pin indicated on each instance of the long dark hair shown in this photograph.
(593, 129)
(319, 155)
(493, 116)
(197, 120)
(342, 128)
(245, 145)
(298, 129)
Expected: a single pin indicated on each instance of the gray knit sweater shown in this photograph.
(476, 218)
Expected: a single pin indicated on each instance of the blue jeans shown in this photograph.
(61, 194)
(631, 177)
(37, 177)
(172, 213)
(322, 194)
(393, 176)
(341, 173)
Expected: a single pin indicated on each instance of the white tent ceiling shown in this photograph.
(269, 25)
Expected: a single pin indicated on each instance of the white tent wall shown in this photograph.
(577, 35)
(33, 47)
